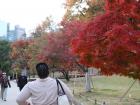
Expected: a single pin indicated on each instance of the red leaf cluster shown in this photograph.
(111, 41)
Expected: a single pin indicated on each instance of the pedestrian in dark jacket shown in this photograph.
(21, 81)
(4, 86)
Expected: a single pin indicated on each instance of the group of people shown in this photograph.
(42, 91)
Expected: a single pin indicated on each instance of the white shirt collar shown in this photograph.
(42, 80)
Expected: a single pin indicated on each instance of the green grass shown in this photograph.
(108, 89)
(116, 85)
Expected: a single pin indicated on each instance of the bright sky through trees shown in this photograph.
(29, 13)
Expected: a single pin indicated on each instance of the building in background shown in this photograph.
(3, 30)
(20, 32)
(17, 34)
(11, 35)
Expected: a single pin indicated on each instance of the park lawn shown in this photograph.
(108, 89)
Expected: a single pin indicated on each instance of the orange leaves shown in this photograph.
(20, 43)
(19, 53)
(70, 2)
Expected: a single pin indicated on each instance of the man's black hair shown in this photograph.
(42, 70)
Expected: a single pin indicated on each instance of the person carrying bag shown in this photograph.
(45, 90)
(62, 97)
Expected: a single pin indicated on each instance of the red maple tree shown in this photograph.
(57, 51)
(19, 54)
(111, 41)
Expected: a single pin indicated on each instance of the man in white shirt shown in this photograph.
(43, 91)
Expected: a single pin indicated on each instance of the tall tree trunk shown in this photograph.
(87, 77)
(88, 82)
(66, 75)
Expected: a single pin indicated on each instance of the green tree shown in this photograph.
(5, 62)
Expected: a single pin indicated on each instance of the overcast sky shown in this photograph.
(29, 13)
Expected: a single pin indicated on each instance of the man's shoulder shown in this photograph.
(50, 78)
(31, 83)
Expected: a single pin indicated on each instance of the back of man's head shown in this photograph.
(42, 70)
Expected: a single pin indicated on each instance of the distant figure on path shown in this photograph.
(43, 91)
(4, 86)
(21, 81)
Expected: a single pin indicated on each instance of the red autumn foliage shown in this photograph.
(111, 41)
(19, 53)
(57, 49)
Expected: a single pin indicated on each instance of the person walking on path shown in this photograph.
(21, 81)
(4, 86)
(11, 94)
(43, 91)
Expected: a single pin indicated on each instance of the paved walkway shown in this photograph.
(11, 95)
